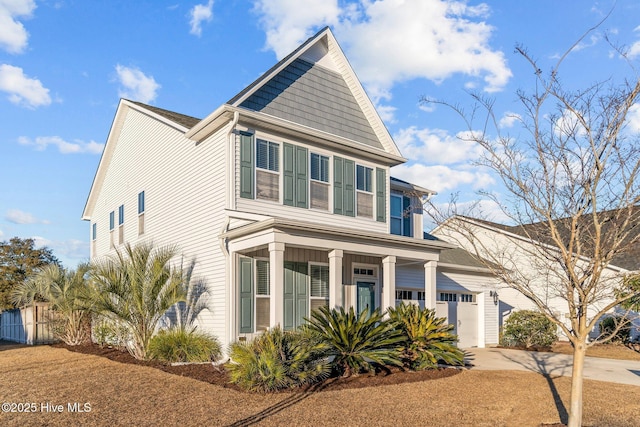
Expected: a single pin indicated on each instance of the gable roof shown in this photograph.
(317, 77)
(538, 231)
(457, 257)
(181, 119)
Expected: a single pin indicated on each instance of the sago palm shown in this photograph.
(135, 287)
(428, 338)
(66, 292)
(356, 342)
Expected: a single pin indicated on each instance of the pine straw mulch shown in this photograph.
(207, 373)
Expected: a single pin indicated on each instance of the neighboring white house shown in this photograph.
(283, 197)
(509, 247)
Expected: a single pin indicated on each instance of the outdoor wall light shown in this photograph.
(496, 297)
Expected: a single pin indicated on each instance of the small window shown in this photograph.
(448, 296)
(141, 202)
(363, 178)
(140, 213)
(94, 231)
(319, 292)
(112, 220)
(420, 295)
(467, 298)
(121, 224)
(400, 215)
(319, 183)
(404, 295)
(263, 289)
(267, 155)
(121, 215)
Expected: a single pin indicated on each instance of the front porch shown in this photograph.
(283, 269)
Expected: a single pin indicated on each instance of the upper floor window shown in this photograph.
(267, 170)
(121, 215)
(400, 215)
(94, 231)
(364, 196)
(121, 224)
(112, 225)
(319, 184)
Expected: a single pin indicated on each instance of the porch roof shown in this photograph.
(312, 235)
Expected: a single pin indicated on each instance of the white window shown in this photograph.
(140, 213)
(263, 291)
(319, 183)
(400, 215)
(319, 292)
(403, 295)
(364, 193)
(267, 170)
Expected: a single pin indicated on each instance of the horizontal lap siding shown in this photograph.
(184, 199)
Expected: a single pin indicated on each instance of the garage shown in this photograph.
(461, 311)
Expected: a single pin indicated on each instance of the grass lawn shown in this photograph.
(126, 394)
(611, 351)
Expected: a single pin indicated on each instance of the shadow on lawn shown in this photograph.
(540, 362)
(288, 402)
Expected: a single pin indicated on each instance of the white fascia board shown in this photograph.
(395, 185)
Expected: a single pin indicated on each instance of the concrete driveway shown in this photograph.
(553, 364)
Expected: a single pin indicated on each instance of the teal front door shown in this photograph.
(296, 294)
(366, 296)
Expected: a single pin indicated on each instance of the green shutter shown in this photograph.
(289, 296)
(246, 295)
(302, 293)
(246, 165)
(288, 174)
(302, 177)
(407, 214)
(381, 195)
(337, 185)
(349, 199)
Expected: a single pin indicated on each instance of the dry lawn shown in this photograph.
(610, 351)
(125, 394)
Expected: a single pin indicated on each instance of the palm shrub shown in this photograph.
(67, 294)
(356, 342)
(278, 360)
(527, 328)
(182, 345)
(428, 339)
(135, 287)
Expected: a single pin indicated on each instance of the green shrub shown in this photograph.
(356, 342)
(526, 328)
(278, 360)
(428, 339)
(180, 345)
(616, 327)
(108, 332)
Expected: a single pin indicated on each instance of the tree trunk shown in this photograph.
(575, 408)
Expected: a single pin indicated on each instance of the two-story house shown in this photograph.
(283, 197)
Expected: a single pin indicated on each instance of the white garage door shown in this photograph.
(461, 310)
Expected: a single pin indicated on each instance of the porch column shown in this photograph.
(430, 284)
(335, 278)
(388, 282)
(276, 282)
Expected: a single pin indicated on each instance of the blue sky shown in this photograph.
(64, 64)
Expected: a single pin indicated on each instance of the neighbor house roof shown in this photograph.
(182, 119)
(457, 257)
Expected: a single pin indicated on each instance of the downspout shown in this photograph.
(229, 202)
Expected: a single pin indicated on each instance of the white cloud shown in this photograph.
(13, 36)
(17, 216)
(42, 142)
(136, 85)
(71, 252)
(389, 41)
(200, 13)
(387, 113)
(634, 50)
(442, 178)
(509, 119)
(287, 23)
(22, 90)
(633, 118)
(1, 233)
(435, 146)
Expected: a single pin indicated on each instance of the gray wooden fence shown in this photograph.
(28, 325)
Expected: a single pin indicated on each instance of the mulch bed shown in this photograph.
(220, 377)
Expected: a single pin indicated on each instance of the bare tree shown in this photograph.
(572, 191)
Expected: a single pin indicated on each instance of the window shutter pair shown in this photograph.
(295, 176)
(343, 186)
(246, 295)
(296, 295)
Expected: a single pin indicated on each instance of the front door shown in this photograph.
(366, 296)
